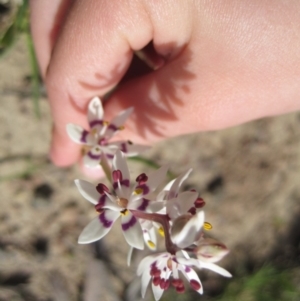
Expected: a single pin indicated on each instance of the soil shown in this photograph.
(248, 175)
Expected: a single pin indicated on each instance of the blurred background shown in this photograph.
(249, 177)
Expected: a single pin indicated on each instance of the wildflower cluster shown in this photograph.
(145, 209)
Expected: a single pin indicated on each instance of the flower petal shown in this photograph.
(177, 183)
(129, 255)
(92, 158)
(98, 227)
(190, 232)
(119, 163)
(145, 263)
(182, 204)
(140, 204)
(193, 278)
(213, 267)
(117, 122)
(79, 134)
(145, 281)
(157, 291)
(88, 191)
(95, 110)
(132, 231)
(156, 177)
(122, 188)
(150, 238)
(128, 148)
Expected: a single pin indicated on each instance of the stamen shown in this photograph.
(151, 244)
(129, 142)
(207, 226)
(142, 179)
(161, 231)
(122, 202)
(124, 212)
(199, 203)
(105, 122)
(101, 188)
(192, 211)
(122, 127)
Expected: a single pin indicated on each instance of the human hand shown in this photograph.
(226, 63)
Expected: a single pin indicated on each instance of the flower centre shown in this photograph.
(122, 202)
(124, 212)
(138, 191)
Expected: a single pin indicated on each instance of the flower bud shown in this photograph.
(211, 250)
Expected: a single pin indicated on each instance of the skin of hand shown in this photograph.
(225, 63)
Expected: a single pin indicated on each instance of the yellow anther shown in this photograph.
(124, 212)
(105, 122)
(161, 231)
(121, 127)
(207, 226)
(138, 191)
(151, 244)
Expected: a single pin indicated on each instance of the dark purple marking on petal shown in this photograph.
(105, 222)
(144, 187)
(195, 284)
(129, 224)
(99, 207)
(94, 157)
(123, 183)
(83, 136)
(109, 156)
(112, 127)
(143, 205)
(102, 200)
(187, 269)
(96, 122)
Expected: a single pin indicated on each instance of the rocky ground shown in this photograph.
(248, 175)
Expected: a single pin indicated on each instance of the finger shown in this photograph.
(46, 20)
(90, 57)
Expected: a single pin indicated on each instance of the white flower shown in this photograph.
(183, 209)
(164, 270)
(120, 202)
(97, 139)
